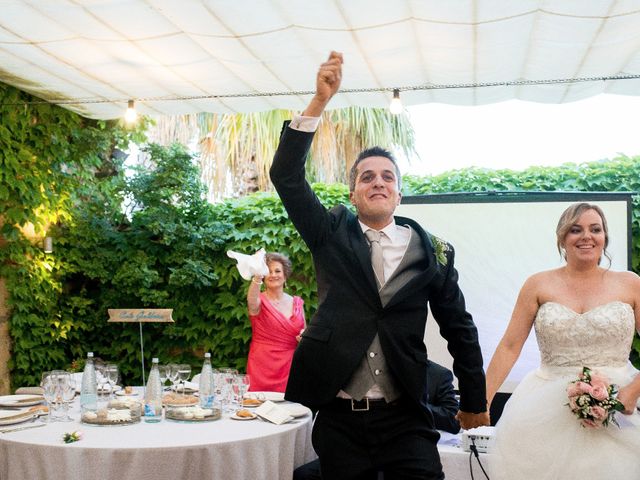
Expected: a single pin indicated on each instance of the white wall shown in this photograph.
(498, 245)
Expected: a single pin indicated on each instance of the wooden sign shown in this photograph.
(146, 315)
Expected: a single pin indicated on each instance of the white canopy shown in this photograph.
(187, 56)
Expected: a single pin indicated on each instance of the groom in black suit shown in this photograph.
(362, 360)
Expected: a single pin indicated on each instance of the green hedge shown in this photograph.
(166, 248)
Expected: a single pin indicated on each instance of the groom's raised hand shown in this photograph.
(328, 82)
(472, 420)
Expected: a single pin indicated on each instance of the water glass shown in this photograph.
(184, 372)
(112, 375)
(164, 371)
(50, 392)
(172, 370)
(68, 387)
(241, 385)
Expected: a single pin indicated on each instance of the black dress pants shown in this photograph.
(397, 439)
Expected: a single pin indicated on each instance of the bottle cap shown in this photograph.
(207, 355)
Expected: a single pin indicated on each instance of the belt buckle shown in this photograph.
(355, 408)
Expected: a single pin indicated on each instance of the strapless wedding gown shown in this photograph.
(537, 436)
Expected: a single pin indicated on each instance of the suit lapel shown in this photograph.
(423, 275)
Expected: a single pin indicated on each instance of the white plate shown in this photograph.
(122, 393)
(20, 400)
(116, 388)
(296, 410)
(15, 417)
(236, 417)
(272, 396)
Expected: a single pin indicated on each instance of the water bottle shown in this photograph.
(206, 386)
(153, 395)
(89, 387)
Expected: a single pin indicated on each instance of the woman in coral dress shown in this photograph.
(584, 315)
(277, 319)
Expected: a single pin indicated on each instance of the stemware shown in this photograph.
(112, 375)
(184, 372)
(68, 393)
(173, 375)
(164, 371)
(225, 383)
(50, 392)
(102, 379)
(241, 385)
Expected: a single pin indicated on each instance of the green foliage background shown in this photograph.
(167, 247)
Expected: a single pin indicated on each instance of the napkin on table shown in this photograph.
(274, 413)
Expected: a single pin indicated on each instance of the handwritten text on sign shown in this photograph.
(140, 315)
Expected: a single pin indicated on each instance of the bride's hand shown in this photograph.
(628, 399)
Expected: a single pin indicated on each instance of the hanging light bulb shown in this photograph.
(130, 115)
(395, 106)
(47, 245)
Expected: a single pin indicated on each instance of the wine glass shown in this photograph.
(184, 372)
(164, 371)
(50, 392)
(241, 384)
(68, 393)
(102, 379)
(173, 375)
(112, 374)
(226, 386)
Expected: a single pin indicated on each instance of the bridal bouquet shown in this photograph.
(593, 399)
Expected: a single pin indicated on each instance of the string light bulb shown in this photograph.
(47, 245)
(130, 116)
(395, 106)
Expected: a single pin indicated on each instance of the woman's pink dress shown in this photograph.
(273, 342)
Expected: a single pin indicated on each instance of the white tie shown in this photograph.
(376, 255)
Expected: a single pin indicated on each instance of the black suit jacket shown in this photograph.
(350, 312)
(442, 397)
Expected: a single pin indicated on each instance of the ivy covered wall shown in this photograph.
(151, 240)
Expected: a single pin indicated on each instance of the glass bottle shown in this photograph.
(206, 386)
(89, 386)
(153, 395)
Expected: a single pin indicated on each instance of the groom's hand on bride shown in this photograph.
(472, 420)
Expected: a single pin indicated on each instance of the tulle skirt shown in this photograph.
(539, 438)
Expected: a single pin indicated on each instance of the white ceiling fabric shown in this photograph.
(188, 52)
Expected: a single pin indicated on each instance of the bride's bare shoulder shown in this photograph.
(544, 277)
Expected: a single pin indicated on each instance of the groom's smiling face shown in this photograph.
(376, 193)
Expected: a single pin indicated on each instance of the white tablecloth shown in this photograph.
(455, 461)
(222, 449)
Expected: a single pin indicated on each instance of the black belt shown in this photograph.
(364, 405)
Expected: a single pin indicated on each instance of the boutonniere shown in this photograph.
(441, 248)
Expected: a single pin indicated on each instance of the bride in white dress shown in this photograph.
(583, 315)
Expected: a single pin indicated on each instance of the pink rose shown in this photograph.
(598, 413)
(573, 405)
(584, 387)
(573, 390)
(597, 378)
(600, 391)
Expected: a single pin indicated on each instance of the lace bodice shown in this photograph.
(600, 337)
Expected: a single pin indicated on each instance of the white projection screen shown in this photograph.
(500, 239)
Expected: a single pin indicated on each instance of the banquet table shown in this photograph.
(455, 463)
(221, 449)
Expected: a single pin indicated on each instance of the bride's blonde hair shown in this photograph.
(569, 218)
